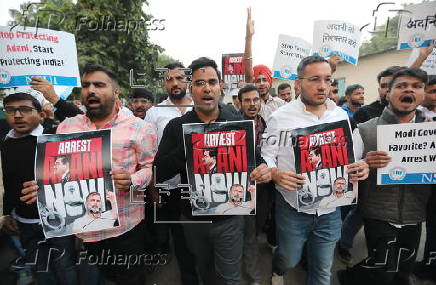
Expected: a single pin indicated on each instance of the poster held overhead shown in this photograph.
(336, 37)
(290, 51)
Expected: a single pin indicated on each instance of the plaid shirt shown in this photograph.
(133, 148)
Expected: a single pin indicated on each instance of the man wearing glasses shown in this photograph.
(215, 241)
(319, 229)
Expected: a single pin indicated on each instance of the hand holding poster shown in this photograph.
(76, 192)
(322, 154)
(219, 160)
(417, 26)
(336, 37)
(412, 148)
(26, 52)
(290, 51)
(429, 65)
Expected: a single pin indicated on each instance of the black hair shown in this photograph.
(65, 159)
(353, 87)
(174, 65)
(389, 71)
(89, 68)
(141, 93)
(316, 149)
(308, 60)
(204, 62)
(245, 89)
(431, 80)
(410, 72)
(335, 83)
(20, 96)
(212, 151)
(341, 101)
(283, 86)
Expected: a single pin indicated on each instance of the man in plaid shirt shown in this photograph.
(133, 150)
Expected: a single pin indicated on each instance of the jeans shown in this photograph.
(391, 255)
(251, 250)
(351, 225)
(217, 248)
(319, 233)
(53, 259)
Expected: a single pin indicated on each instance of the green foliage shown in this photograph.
(103, 34)
(383, 39)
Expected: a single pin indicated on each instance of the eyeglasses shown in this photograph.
(202, 83)
(318, 80)
(24, 110)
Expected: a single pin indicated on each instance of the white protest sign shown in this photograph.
(336, 37)
(26, 52)
(290, 51)
(413, 151)
(417, 26)
(429, 65)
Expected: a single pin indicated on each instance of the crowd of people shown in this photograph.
(148, 150)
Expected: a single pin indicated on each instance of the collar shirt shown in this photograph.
(159, 116)
(12, 134)
(133, 149)
(271, 104)
(281, 155)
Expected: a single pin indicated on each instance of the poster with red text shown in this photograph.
(322, 154)
(76, 192)
(233, 69)
(219, 160)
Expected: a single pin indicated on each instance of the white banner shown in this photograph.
(429, 65)
(26, 52)
(413, 151)
(417, 26)
(290, 51)
(336, 37)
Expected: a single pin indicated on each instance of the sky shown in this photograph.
(195, 28)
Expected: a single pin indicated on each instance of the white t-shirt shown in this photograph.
(88, 223)
(230, 209)
(332, 201)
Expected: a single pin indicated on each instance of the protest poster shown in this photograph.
(429, 65)
(290, 51)
(417, 26)
(233, 69)
(76, 192)
(336, 37)
(219, 160)
(412, 148)
(322, 154)
(30, 51)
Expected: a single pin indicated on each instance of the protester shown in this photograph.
(318, 229)
(355, 98)
(333, 94)
(55, 257)
(285, 92)
(140, 100)
(133, 150)
(218, 258)
(392, 214)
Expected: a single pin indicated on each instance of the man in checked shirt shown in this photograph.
(133, 151)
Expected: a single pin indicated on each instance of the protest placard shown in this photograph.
(322, 155)
(219, 160)
(76, 192)
(233, 69)
(26, 52)
(429, 65)
(336, 37)
(417, 26)
(290, 51)
(412, 148)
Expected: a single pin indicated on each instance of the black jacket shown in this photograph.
(368, 112)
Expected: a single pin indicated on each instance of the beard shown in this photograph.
(310, 102)
(101, 111)
(401, 113)
(177, 96)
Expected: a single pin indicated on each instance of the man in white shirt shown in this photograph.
(235, 205)
(176, 105)
(339, 196)
(318, 229)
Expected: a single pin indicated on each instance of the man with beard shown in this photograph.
(355, 98)
(333, 94)
(133, 150)
(94, 219)
(376, 108)
(217, 246)
(393, 214)
(176, 105)
(259, 74)
(140, 101)
(318, 229)
(285, 92)
(236, 204)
